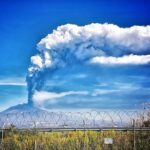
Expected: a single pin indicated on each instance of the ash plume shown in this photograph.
(70, 44)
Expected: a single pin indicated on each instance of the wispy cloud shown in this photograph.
(42, 96)
(124, 60)
(12, 82)
(126, 86)
(98, 92)
(80, 76)
(115, 88)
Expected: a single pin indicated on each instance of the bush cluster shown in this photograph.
(75, 140)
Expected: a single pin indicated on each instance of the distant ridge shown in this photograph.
(22, 108)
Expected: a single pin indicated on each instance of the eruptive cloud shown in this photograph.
(70, 44)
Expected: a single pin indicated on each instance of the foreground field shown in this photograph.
(75, 140)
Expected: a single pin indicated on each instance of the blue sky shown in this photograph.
(24, 23)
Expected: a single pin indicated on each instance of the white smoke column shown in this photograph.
(71, 44)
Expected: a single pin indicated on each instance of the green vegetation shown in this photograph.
(74, 140)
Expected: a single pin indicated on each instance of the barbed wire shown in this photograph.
(82, 119)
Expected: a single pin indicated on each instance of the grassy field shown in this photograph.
(75, 140)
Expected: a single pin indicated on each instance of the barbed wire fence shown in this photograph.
(75, 120)
(83, 120)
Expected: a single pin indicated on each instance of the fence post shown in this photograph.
(2, 135)
(134, 142)
(84, 135)
(2, 139)
(35, 145)
(110, 146)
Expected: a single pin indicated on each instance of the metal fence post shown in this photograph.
(110, 146)
(35, 145)
(2, 139)
(84, 134)
(134, 142)
(2, 135)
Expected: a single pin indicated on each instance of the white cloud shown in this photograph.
(13, 82)
(98, 92)
(80, 76)
(42, 96)
(126, 86)
(48, 61)
(116, 87)
(128, 59)
(37, 60)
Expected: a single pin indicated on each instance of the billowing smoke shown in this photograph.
(94, 43)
